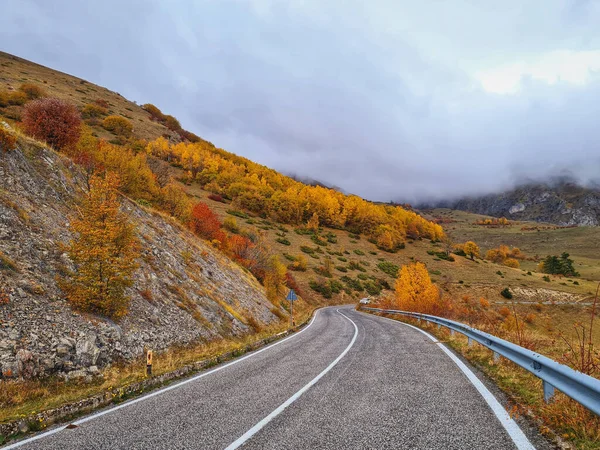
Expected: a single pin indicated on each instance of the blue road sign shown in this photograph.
(291, 296)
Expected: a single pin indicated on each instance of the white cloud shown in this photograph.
(560, 66)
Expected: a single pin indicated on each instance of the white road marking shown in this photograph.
(256, 428)
(511, 427)
(157, 392)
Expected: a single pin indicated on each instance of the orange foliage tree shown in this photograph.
(54, 121)
(104, 252)
(416, 292)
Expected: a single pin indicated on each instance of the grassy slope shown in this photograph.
(15, 71)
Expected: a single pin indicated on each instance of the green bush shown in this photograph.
(322, 287)
(506, 293)
(283, 241)
(239, 214)
(390, 268)
(359, 252)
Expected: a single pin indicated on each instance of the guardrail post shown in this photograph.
(451, 332)
(496, 356)
(548, 392)
(439, 326)
(469, 342)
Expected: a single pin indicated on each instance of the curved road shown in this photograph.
(348, 380)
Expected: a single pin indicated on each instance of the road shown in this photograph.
(348, 380)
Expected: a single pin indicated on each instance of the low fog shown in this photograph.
(405, 101)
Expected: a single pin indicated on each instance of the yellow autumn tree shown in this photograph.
(275, 279)
(313, 223)
(471, 249)
(416, 292)
(104, 252)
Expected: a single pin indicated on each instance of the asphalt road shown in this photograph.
(348, 380)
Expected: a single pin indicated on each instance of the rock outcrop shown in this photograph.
(564, 203)
(185, 291)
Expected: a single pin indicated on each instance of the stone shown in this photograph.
(86, 351)
(27, 364)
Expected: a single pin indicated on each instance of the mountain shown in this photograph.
(562, 202)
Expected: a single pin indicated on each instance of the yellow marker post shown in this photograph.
(149, 363)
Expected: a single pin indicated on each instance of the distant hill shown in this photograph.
(562, 203)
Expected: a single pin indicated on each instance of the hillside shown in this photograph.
(352, 249)
(561, 203)
(185, 291)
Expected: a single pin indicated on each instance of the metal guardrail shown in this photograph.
(580, 387)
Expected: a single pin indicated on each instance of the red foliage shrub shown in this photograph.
(7, 140)
(205, 223)
(216, 198)
(54, 121)
(101, 102)
(291, 283)
(241, 249)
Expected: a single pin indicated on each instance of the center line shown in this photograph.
(260, 425)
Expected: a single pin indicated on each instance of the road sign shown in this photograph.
(291, 296)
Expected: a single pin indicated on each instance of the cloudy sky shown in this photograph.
(389, 99)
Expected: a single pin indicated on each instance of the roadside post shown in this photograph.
(292, 297)
(149, 363)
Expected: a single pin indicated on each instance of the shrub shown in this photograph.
(172, 123)
(359, 252)
(155, 112)
(322, 287)
(92, 110)
(530, 318)
(118, 125)
(7, 140)
(54, 121)
(372, 288)
(101, 102)
(504, 312)
(308, 250)
(546, 278)
(484, 303)
(506, 293)
(17, 98)
(230, 224)
(216, 198)
(205, 222)
(390, 268)
(283, 241)
(240, 214)
(299, 263)
(317, 240)
(511, 262)
(32, 91)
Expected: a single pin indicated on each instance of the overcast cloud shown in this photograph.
(388, 99)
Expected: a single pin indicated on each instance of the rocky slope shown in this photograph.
(563, 203)
(184, 292)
